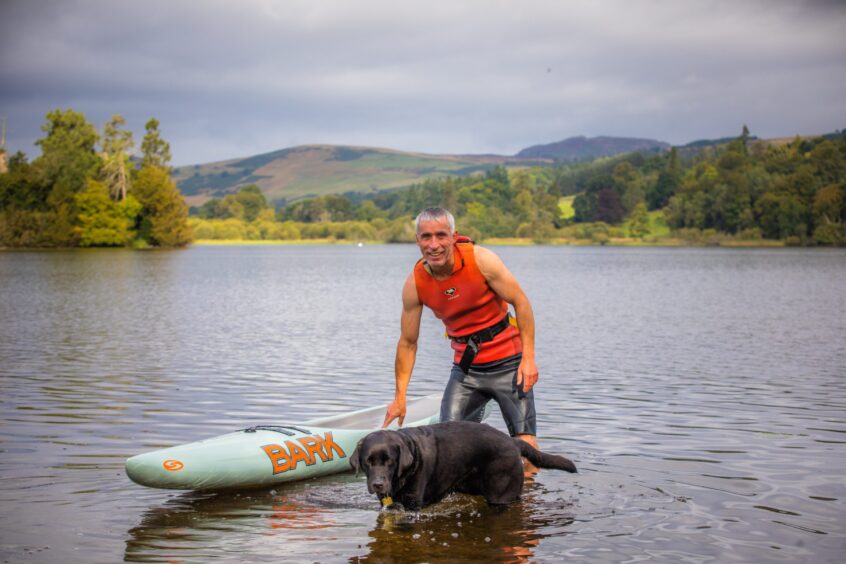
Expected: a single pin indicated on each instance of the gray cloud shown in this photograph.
(228, 79)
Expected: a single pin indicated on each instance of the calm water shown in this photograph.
(700, 391)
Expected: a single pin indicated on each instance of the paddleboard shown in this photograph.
(264, 455)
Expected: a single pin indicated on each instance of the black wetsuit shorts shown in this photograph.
(466, 395)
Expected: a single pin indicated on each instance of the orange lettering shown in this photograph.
(298, 453)
(329, 445)
(280, 459)
(313, 447)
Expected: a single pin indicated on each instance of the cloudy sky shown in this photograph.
(231, 79)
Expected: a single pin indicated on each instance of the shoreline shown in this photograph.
(617, 242)
(509, 241)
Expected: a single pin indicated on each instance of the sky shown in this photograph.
(238, 78)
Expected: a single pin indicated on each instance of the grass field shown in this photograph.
(565, 204)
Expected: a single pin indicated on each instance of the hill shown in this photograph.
(314, 170)
(584, 148)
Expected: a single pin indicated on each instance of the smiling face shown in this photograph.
(436, 244)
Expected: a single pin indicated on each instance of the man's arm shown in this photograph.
(412, 310)
(505, 285)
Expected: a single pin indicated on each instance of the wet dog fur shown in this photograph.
(418, 466)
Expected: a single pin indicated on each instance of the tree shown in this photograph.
(609, 209)
(639, 222)
(252, 201)
(117, 144)
(781, 215)
(830, 205)
(103, 222)
(164, 214)
(154, 150)
(68, 159)
(660, 193)
(23, 187)
(368, 211)
(68, 154)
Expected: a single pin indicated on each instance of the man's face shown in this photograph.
(435, 241)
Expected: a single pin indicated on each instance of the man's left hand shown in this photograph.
(527, 374)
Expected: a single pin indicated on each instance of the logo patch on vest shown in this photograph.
(451, 292)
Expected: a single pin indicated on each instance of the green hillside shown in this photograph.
(315, 170)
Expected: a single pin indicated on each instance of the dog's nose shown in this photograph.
(378, 486)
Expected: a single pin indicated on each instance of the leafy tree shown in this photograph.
(338, 207)
(658, 196)
(781, 215)
(639, 222)
(102, 221)
(368, 211)
(830, 205)
(609, 208)
(231, 207)
(210, 209)
(68, 154)
(154, 150)
(23, 187)
(68, 158)
(164, 212)
(117, 144)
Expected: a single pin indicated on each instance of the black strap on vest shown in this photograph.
(475, 340)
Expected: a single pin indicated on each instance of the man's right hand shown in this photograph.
(396, 409)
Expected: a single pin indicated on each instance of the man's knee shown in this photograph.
(529, 469)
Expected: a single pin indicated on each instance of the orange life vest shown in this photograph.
(466, 304)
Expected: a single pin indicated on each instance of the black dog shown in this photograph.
(417, 466)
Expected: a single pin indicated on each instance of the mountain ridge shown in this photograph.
(316, 169)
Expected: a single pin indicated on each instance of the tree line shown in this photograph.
(497, 204)
(86, 189)
(744, 190)
(794, 192)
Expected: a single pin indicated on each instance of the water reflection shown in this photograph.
(466, 528)
(460, 527)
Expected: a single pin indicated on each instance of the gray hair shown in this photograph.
(435, 214)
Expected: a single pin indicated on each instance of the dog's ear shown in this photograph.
(406, 455)
(355, 458)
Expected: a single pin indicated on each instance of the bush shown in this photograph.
(287, 231)
(830, 234)
(202, 229)
(751, 234)
(232, 229)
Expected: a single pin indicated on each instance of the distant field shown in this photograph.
(565, 204)
(658, 225)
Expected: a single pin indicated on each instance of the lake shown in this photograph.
(701, 392)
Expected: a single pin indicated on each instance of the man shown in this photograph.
(469, 289)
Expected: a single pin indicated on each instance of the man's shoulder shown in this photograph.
(487, 261)
(484, 253)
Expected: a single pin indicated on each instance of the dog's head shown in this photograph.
(386, 457)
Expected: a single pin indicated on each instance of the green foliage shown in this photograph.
(102, 222)
(74, 196)
(154, 150)
(639, 222)
(68, 158)
(786, 192)
(163, 220)
(117, 144)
